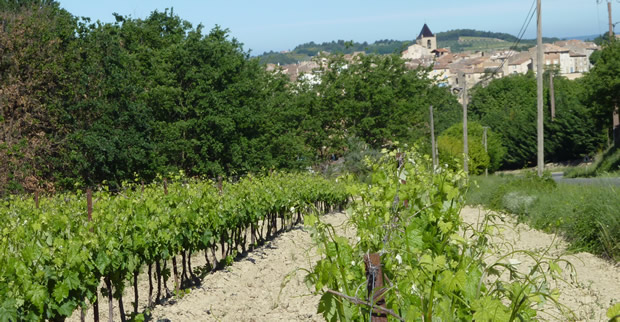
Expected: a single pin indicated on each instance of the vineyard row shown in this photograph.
(55, 252)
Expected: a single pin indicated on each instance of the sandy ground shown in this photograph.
(267, 284)
(593, 288)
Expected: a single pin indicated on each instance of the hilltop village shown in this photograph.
(569, 58)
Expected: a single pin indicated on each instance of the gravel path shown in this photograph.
(267, 285)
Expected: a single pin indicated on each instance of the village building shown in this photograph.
(517, 63)
(440, 52)
(424, 46)
(427, 39)
(570, 58)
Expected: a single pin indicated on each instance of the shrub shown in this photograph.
(479, 159)
(451, 153)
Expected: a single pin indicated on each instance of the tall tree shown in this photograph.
(34, 36)
(507, 106)
(602, 85)
(375, 98)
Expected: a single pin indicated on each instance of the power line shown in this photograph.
(598, 16)
(524, 26)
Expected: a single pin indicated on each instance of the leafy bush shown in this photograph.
(354, 160)
(451, 153)
(450, 144)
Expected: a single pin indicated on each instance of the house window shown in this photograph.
(428, 44)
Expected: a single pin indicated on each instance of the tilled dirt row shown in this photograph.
(265, 285)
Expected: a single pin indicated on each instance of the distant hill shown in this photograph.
(458, 40)
(308, 50)
(584, 38)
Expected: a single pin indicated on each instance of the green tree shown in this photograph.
(375, 98)
(108, 123)
(602, 85)
(508, 106)
(573, 133)
(34, 37)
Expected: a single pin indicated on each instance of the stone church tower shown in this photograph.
(427, 39)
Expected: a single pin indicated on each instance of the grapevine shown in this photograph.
(54, 258)
(432, 266)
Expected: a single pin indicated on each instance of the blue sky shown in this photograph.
(282, 24)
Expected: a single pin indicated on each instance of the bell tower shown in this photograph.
(427, 39)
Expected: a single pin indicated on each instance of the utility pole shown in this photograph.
(484, 142)
(539, 79)
(611, 25)
(465, 146)
(615, 129)
(434, 153)
(552, 92)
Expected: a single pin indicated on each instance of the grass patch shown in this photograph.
(606, 164)
(588, 218)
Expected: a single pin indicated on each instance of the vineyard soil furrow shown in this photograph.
(251, 289)
(267, 285)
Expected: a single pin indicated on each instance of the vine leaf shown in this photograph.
(451, 281)
(8, 311)
(490, 309)
(614, 312)
(327, 306)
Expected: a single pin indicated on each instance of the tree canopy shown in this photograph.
(85, 103)
(602, 84)
(88, 103)
(375, 98)
(508, 106)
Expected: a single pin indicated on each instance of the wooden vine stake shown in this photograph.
(89, 211)
(374, 278)
(174, 256)
(89, 205)
(219, 184)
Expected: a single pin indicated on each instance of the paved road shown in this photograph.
(559, 178)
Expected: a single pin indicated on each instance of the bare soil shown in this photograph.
(588, 293)
(267, 284)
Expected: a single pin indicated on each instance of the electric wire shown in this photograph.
(522, 31)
